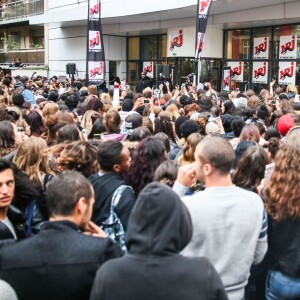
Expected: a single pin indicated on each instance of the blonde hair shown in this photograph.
(50, 109)
(87, 120)
(92, 90)
(173, 110)
(291, 88)
(32, 158)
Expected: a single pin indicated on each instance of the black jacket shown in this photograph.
(284, 245)
(143, 83)
(159, 228)
(57, 264)
(104, 187)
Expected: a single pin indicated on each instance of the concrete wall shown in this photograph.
(68, 45)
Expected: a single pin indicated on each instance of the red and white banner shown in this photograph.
(203, 9)
(226, 79)
(261, 48)
(260, 72)
(95, 62)
(148, 68)
(288, 47)
(237, 71)
(96, 70)
(287, 72)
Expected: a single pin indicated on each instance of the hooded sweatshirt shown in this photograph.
(159, 228)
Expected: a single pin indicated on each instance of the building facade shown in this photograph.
(139, 34)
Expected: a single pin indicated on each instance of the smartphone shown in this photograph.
(183, 86)
(273, 102)
(146, 101)
(97, 136)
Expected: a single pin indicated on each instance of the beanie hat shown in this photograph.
(284, 124)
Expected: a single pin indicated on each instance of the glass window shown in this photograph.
(237, 44)
(132, 76)
(162, 47)
(134, 48)
(149, 48)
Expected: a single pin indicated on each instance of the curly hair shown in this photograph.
(79, 156)
(148, 155)
(282, 193)
(165, 125)
(251, 168)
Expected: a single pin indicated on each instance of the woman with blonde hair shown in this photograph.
(283, 207)
(32, 159)
(174, 112)
(50, 109)
(88, 120)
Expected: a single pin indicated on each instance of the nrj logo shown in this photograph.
(203, 6)
(97, 71)
(287, 72)
(177, 41)
(261, 71)
(226, 80)
(261, 47)
(237, 70)
(289, 46)
(94, 9)
(94, 40)
(148, 69)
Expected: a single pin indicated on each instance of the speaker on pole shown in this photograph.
(166, 71)
(71, 69)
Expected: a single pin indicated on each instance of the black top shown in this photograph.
(104, 187)
(58, 263)
(284, 245)
(159, 228)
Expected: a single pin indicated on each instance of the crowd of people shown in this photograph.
(182, 194)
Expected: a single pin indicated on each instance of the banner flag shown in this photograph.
(95, 61)
(203, 10)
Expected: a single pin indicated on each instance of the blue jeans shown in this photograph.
(282, 287)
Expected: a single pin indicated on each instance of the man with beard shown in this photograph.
(143, 83)
(230, 223)
(60, 262)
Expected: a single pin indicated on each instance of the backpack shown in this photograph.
(113, 226)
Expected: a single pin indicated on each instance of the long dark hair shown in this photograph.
(251, 168)
(35, 121)
(7, 135)
(148, 155)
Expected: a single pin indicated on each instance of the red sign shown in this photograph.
(177, 41)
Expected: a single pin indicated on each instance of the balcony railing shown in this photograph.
(27, 56)
(20, 9)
